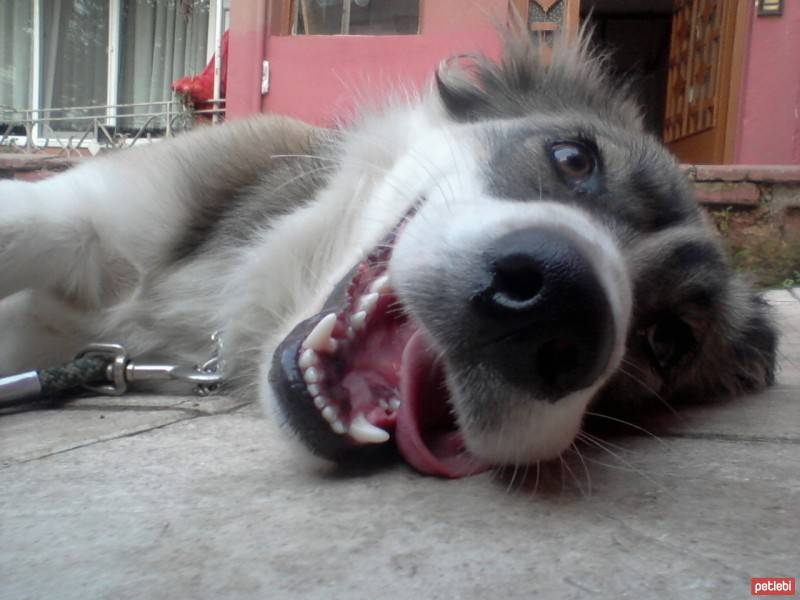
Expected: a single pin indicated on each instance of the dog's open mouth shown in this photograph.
(360, 373)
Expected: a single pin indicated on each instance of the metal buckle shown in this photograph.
(115, 372)
(122, 371)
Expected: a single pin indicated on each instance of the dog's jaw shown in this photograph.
(435, 407)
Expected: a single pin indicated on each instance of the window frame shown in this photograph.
(219, 11)
(291, 10)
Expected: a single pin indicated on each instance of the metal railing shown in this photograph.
(91, 128)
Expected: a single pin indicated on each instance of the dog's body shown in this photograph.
(542, 253)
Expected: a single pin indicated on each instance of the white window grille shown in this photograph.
(88, 73)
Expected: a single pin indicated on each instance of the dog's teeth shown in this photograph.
(368, 302)
(365, 432)
(358, 319)
(314, 389)
(380, 285)
(307, 359)
(394, 403)
(320, 337)
(383, 404)
(330, 414)
(332, 345)
(313, 375)
(320, 402)
(350, 333)
(338, 427)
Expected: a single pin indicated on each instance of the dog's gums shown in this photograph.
(369, 373)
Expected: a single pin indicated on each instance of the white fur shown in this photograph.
(82, 259)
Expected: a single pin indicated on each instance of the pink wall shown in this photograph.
(769, 129)
(320, 78)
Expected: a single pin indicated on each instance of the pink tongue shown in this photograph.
(425, 432)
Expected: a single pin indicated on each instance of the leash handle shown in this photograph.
(19, 387)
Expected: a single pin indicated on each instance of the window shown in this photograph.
(66, 63)
(16, 46)
(356, 17)
(74, 59)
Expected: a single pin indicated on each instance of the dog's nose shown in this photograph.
(544, 320)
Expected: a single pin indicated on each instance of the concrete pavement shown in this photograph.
(168, 497)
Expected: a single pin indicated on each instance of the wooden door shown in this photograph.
(703, 85)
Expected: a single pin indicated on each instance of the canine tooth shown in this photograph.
(338, 427)
(314, 389)
(330, 414)
(365, 432)
(358, 319)
(313, 375)
(307, 359)
(381, 284)
(320, 402)
(394, 403)
(321, 334)
(368, 302)
(332, 345)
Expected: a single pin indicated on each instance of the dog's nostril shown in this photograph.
(516, 278)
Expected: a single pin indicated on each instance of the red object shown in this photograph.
(772, 586)
(200, 88)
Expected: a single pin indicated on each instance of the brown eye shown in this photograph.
(669, 339)
(574, 161)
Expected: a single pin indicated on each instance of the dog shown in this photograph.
(462, 274)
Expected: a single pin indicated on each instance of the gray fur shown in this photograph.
(248, 227)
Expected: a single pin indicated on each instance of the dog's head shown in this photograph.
(554, 256)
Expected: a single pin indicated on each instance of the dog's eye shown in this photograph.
(669, 339)
(575, 162)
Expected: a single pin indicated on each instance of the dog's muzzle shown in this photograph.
(543, 321)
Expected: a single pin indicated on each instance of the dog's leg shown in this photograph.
(91, 233)
(52, 237)
(83, 242)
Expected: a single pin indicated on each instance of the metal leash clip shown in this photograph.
(123, 371)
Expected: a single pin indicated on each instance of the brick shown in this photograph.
(790, 225)
(735, 194)
(760, 173)
(33, 175)
(34, 162)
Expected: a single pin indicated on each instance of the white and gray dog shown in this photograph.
(462, 274)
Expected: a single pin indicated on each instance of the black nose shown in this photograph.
(544, 320)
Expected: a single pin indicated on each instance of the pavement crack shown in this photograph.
(100, 440)
(187, 414)
(732, 437)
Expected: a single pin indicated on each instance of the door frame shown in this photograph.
(730, 122)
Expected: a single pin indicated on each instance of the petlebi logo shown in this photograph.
(772, 586)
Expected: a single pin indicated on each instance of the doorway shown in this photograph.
(637, 35)
(684, 59)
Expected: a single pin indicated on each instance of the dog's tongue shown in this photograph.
(426, 434)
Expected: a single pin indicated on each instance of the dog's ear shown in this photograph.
(458, 81)
(738, 357)
(531, 76)
(754, 348)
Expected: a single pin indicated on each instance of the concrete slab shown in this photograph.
(28, 436)
(215, 507)
(153, 497)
